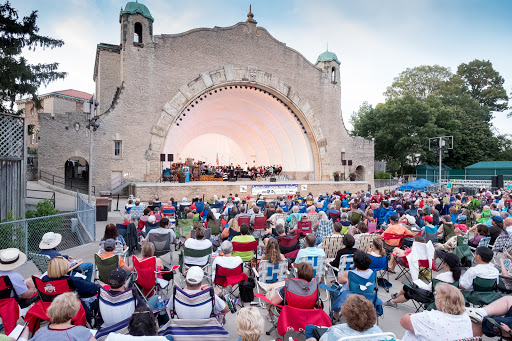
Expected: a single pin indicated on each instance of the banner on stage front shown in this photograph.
(274, 189)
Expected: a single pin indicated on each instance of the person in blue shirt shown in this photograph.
(48, 245)
(310, 251)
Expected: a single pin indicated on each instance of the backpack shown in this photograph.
(247, 290)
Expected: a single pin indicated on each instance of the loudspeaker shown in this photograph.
(343, 162)
(170, 157)
(499, 181)
(273, 180)
(162, 157)
(350, 162)
(494, 181)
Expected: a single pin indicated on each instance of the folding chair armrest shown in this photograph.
(328, 288)
(261, 296)
(328, 265)
(255, 272)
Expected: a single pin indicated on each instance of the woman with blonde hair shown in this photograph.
(249, 324)
(449, 322)
(63, 308)
(148, 251)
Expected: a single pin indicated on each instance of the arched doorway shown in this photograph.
(360, 173)
(243, 123)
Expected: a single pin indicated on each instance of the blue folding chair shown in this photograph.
(380, 265)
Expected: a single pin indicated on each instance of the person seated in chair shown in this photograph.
(249, 324)
(451, 274)
(226, 260)
(446, 230)
(111, 233)
(199, 243)
(500, 311)
(109, 246)
(164, 229)
(62, 310)
(244, 237)
(142, 326)
(310, 251)
(194, 280)
(349, 249)
(48, 245)
(482, 269)
(449, 246)
(361, 319)
(276, 295)
(148, 251)
(397, 229)
(25, 289)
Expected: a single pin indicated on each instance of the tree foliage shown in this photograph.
(18, 78)
(429, 101)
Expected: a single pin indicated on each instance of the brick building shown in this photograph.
(158, 94)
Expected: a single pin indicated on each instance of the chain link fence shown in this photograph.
(76, 228)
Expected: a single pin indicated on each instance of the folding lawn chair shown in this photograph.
(104, 267)
(331, 245)
(246, 247)
(225, 278)
(424, 299)
(363, 242)
(168, 211)
(244, 220)
(483, 242)
(268, 273)
(483, 293)
(47, 291)
(377, 336)
(301, 306)
(192, 253)
(9, 308)
(147, 281)
(372, 227)
(380, 265)
(304, 228)
(162, 244)
(259, 226)
(118, 307)
(423, 265)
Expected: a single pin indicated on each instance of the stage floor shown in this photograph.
(164, 190)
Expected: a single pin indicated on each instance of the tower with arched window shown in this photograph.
(330, 63)
(136, 25)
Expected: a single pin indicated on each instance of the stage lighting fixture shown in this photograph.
(201, 98)
(188, 109)
(181, 119)
(196, 102)
(184, 114)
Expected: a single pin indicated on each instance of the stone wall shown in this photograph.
(164, 192)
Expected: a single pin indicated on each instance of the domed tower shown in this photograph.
(330, 63)
(136, 25)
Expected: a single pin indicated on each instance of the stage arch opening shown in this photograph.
(242, 125)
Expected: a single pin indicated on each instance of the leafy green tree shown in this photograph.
(485, 84)
(420, 81)
(18, 78)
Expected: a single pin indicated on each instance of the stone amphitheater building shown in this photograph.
(162, 94)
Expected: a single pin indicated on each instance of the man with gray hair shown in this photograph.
(226, 260)
(507, 225)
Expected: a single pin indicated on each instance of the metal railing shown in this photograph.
(76, 228)
(59, 181)
(32, 196)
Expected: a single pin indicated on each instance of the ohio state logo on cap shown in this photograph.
(49, 288)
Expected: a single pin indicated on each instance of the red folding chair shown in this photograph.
(259, 225)
(333, 216)
(246, 247)
(47, 292)
(391, 236)
(301, 306)
(244, 220)
(304, 228)
(232, 277)
(147, 276)
(9, 308)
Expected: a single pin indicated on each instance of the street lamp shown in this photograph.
(94, 124)
(441, 143)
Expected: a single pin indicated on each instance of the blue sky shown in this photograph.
(374, 39)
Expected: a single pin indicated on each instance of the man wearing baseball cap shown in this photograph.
(109, 246)
(194, 279)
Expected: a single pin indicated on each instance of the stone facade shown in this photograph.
(148, 191)
(144, 86)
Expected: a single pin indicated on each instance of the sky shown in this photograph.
(375, 40)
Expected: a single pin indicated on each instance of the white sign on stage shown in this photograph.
(274, 189)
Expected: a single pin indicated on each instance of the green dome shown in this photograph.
(136, 8)
(327, 56)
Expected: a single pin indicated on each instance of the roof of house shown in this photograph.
(491, 165)
(74, 93)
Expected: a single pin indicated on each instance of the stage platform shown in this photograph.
(165, 190)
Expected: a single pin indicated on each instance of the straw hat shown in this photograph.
(50, 240)
(11, 258)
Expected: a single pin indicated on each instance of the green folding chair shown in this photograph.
(195, 254)
(104, 267)
(483, 293)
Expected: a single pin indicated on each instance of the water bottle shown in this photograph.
(161, 305)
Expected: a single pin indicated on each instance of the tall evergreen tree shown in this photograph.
(18, 78)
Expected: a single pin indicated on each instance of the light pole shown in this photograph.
(442, 143)
(93, 123)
